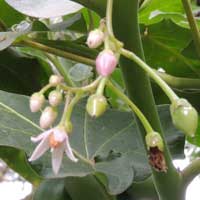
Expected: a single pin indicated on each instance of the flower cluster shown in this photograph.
(55, 138)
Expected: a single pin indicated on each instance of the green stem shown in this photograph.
(179, 82)
(67, 102)
(45, 88)
(57, 52)
(71, 105)
(126, 29)
(169, 92)
(86, 88)
(100, 89)
(190, 172)
(60, 68)
(134, 108)
(109, 12)
(193, 25)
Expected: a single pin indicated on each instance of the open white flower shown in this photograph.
(56, 139)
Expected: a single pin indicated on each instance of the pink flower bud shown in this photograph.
(55, 98)
(36, 102)
(55, 80)
(106, 63)
(48, 117)
(95, 38)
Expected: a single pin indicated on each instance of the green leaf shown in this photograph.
(13, 17)
(112, 141)
(45, 9)
(20, 74)
(157, 10)
(16, 159)
(80, 72)
(164, 50)
(86, 188)
(52, 190)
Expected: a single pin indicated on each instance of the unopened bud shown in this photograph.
(48, 117)
(153, 139)
(106, 62)
(36, 102)
(184, 116)
(55, 98)
(96, 105)
(95, 38)
(55, 80)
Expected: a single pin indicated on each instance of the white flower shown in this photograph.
(56, 139)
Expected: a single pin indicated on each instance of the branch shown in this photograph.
(190, 172)
(179, 82)
(57, 52)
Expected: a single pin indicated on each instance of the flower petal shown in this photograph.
(41, 136)
(41, 148)
(57, 155)
(59, 134)
(69, 152)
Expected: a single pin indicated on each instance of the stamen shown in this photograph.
(52, 142)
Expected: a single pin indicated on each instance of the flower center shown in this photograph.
(53, 143)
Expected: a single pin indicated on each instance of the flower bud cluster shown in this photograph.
(37, 101)
(106, 61)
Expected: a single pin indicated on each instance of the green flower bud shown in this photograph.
(184, 116)
(153, 139)
(55, 98)
(96, 105)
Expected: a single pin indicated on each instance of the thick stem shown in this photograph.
(193, 25)
(190, 172)
(126, 28)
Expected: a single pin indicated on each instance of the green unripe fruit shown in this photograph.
(184, 116)
(153, 139)
(96, 105)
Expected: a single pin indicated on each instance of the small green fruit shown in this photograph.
(96, 105)
(153, 139)
(184, 116)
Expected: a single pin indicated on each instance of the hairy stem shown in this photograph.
(193, 25)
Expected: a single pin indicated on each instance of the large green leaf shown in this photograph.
(20, 74)
(112, 141)
(44, 9)
(163, 49)
(8, 15)
(157, 10)
(52, 190)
